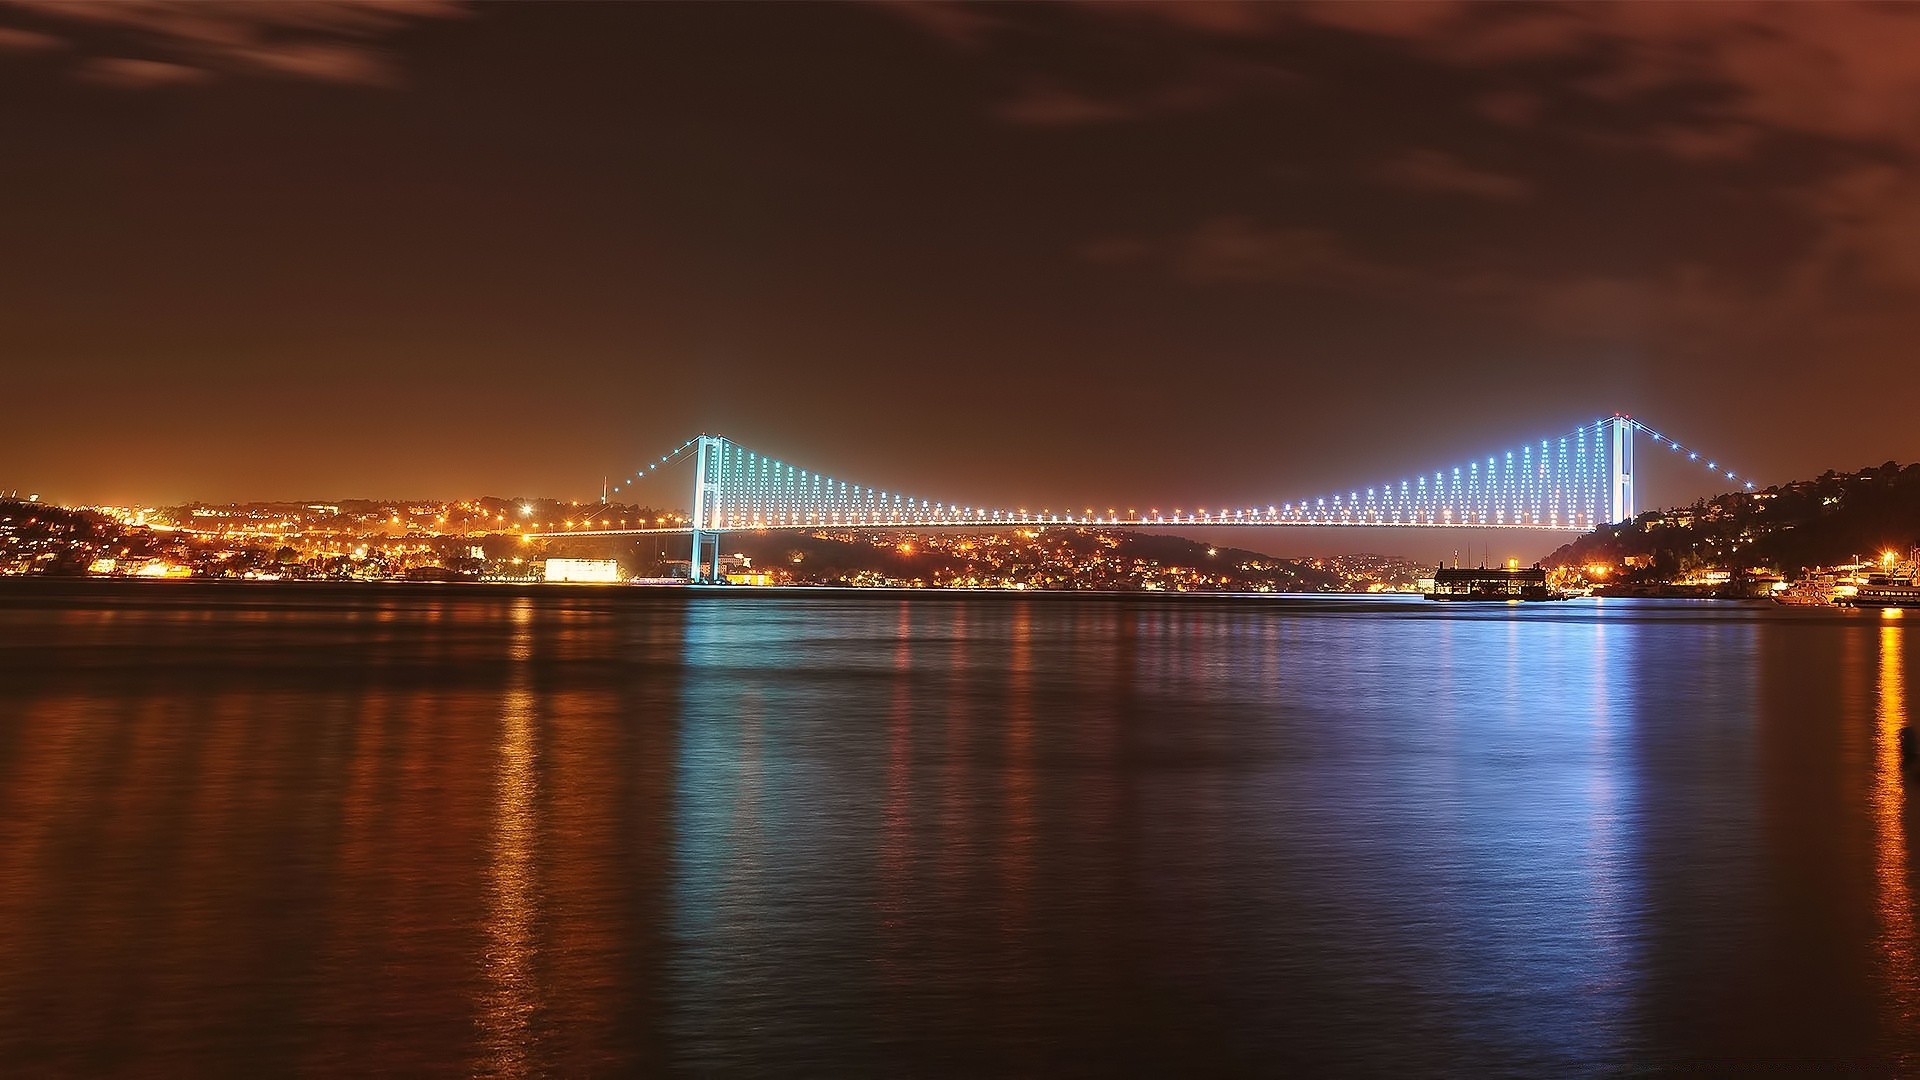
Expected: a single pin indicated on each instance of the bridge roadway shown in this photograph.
(1066, 521)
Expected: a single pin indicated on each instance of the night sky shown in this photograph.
(1096, 254)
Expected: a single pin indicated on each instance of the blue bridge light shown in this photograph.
(1577, 480)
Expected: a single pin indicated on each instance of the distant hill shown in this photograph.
(1830, 519)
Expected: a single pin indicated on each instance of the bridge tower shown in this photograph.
(1620, 506)
(708, 461)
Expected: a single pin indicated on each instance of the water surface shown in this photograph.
(285, 829)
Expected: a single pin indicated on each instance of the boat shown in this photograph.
(1822, 586)
(1499, 584)
(1896, 586)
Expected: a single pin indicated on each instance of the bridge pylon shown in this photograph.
(709, 461)
(1620, 505)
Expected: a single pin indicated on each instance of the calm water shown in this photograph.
(419, 829)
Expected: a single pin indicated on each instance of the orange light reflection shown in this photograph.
(511, 995)
(1897, 934)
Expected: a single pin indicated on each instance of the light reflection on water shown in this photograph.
(582, 831)
(1892, 870)
(512, 995)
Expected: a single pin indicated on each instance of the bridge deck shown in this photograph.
(1065, 522)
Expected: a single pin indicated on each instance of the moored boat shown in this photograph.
(1822, 586)
(1896, 586)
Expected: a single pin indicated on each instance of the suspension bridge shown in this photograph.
(1569, 482)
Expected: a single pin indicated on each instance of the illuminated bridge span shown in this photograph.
(1569, 482)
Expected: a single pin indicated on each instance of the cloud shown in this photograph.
(1511, 108)
(1393, 17)
(1687, 303)
(120, 71)
(1834, 70)
(1235, 249)
(16, 40)
(1683, 303)
(1219, 17)
(1440, 172)
(1871, 241)
(1706, 142)
(1803, 120)
(154, 42)
(1047, 103)
(963, 25)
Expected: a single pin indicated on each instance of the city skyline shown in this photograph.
(391, 251)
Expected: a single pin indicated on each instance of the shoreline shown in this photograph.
(27, 586)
